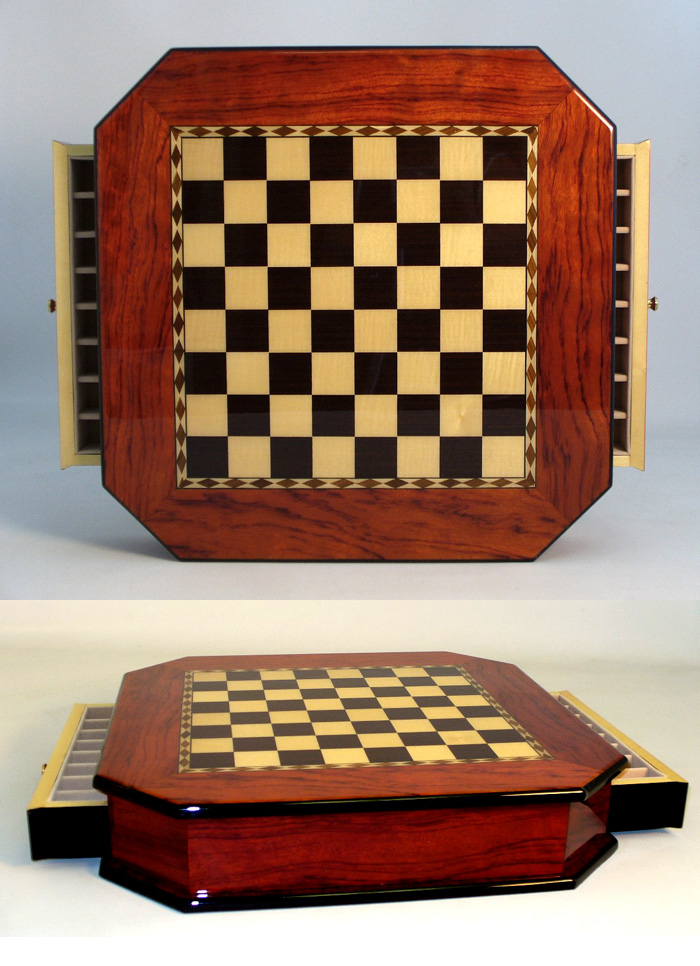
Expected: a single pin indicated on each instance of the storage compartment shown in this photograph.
(631, 304)
(76, 303)
(67, 817)
(647, 794)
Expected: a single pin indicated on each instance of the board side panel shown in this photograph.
(274, 855)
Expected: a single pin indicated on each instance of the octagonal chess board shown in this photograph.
(238, 781)
(356, 304)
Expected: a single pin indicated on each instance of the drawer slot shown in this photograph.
(76, 303)
(631, 301)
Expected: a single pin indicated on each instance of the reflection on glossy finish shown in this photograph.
(575, 870)
(344, 517)
(467, 759)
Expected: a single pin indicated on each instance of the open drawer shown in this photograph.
(76, 304)
(67, 817)
(632, 303)
(647, 794)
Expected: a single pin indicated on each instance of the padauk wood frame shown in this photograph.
(141, 753)
(228, 839)
(376, 85)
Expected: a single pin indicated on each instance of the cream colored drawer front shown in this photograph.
(76, 304)
(631, 306)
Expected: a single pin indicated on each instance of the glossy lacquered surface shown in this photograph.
(352, 857)
(575, 870)
(198, 831)
(145, 757)
(574, 284)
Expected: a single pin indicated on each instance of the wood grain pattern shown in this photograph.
(340, 852)
(343, 832)
(576, 286)
(355, 85)
(518, 86)
(140, 757)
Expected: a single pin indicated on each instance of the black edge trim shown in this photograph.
(240, 809)
(595, 786)
(214, 904)
(357, 47)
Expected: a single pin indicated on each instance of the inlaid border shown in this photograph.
(367, 130)
(186, 732)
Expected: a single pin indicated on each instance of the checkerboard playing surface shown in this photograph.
(354, 306)
(344, 717)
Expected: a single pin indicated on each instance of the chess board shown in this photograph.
(374, 776)
(344, 717)
(355, 306)
(354, 313)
